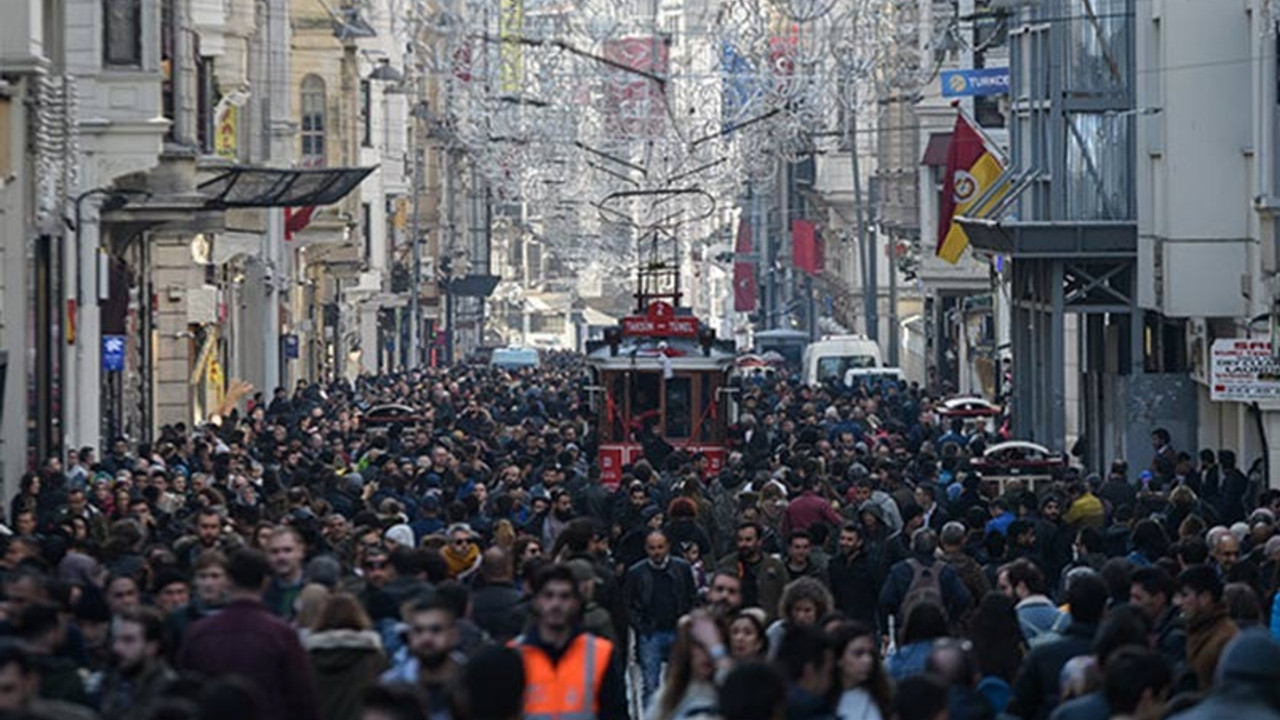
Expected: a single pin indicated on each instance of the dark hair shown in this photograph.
(1087, 597)
(492, 685)
(1024, 572)
(920, 697)
(997, 636)
(455, 595)
(1116, 573)
(1154, 580)
(1192, 550)
(1130, 672)
(752, 691)
(1092, 540)
(801, 647)
(342, 611)
(432, 603)
(556, 572)
(801, 534)
(1161, 434)
(37, 619)
(1123, 625)
(877, 684)
(400, 701)
(1150, 540)
(12, 653)
(1242, 604)
(1201, 579)
(248, 569)
(927, 621)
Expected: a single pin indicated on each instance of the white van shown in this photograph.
(514, 358)
(829, 359)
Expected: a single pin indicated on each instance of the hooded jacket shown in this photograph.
(344, 663)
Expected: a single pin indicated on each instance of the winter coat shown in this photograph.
(1207, 636)
(132, 699)
(1038, 684)
(853, 586)
(499, 609)
(344, 663)
(1233, 700)
(1038, 617)
(640, 586)
(246, 639)
(771, 578)
(894, 591)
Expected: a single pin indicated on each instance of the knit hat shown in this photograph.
(1252, 657)
(400, 535)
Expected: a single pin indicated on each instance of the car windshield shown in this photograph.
(833, 367)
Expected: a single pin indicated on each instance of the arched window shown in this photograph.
(313, 121)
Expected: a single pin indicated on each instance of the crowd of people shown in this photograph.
(307, 557)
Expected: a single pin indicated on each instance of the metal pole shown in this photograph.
(864, 247)
(894, 329)
(415, 309)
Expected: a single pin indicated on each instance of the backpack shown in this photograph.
(925, 587)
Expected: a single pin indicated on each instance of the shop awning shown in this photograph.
(935, 153)
(244, 187)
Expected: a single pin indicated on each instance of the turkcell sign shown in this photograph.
(974, 82)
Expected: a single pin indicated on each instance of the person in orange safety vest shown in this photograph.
(569, 674)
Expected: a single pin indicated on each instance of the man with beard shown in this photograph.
(762, 576)
(724, 594)
(560, 514)
(141, 675)
(568, 673)
(854, 577)
(432, 665)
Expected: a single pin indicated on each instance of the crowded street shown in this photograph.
(640, 360)
(440, 544)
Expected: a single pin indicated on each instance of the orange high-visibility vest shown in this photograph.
(570, 689)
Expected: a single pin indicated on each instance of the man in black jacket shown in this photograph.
(1037, 687)
(854, 576)
(658, 591)
(497, 606)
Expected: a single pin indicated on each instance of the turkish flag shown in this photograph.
(295, 220)
(806, 253)
(745, 290)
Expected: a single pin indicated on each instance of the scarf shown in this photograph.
(461, 564)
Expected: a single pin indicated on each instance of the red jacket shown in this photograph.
(807, 510)
(245, 639)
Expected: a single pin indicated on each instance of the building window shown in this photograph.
(366, 222)
(366, 113)
(1100, 35)
(206, 102)
(1099, 167)
(122, 33)
(312, 106)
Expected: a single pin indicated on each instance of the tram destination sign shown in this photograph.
(1243, 371)
(660, 320)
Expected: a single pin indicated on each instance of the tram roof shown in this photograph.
(648, 353)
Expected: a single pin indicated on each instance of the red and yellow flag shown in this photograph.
(971, 169)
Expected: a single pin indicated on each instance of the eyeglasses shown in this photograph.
(461, 542)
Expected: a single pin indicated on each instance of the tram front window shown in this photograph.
(646, 398)
(679, 391)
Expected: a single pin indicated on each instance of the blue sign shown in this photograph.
(291, 347)
(112, 353)
(978, 81)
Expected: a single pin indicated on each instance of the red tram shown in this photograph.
(663, 375)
